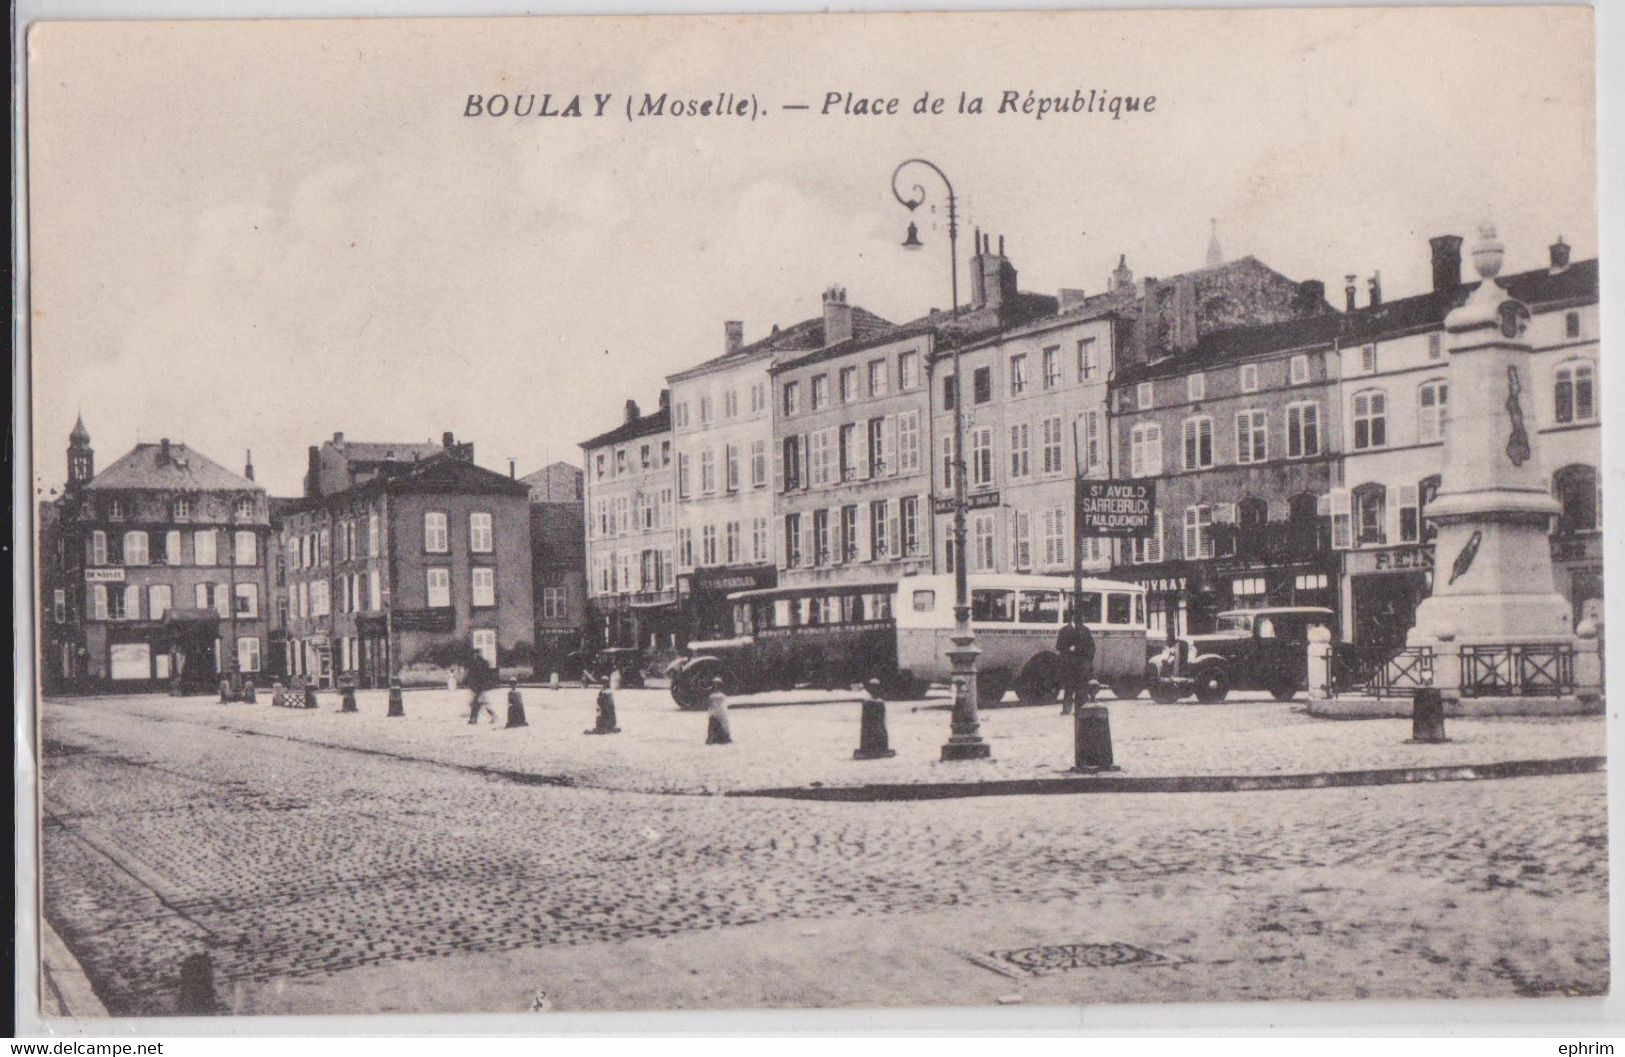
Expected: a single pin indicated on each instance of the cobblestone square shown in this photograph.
(331, 863)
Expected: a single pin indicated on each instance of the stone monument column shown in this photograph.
(1492, 564)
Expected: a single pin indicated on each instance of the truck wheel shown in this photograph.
(1165, 692)
(692, 688)
(1040, 682)
(990, 687)
(1212, 685)
(1284, 691)
(1127, 689)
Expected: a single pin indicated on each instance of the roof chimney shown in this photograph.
(1376, 288)
(163, 452)
(631, 411)
(447, 440)
(837, 316)
(1446, 263)
(1560, 255)
(248, 465)
(1348, 292)
(1311, 296)
(993, 278)
(513, 471)
(338, 438)
(1071, 297)
(733, 337)
(665, 399)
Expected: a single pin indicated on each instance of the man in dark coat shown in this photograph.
(1075, 645)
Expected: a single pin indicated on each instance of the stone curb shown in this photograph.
(1186, 784)
(65, 990)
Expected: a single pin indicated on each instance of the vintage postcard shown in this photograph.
(548, 514)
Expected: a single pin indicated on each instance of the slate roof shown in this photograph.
(1239, 343)
(659, 422)
(806, 335)
(186, 470)
(1538, 286)
(383, 451)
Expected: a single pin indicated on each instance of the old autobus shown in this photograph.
(837, 635)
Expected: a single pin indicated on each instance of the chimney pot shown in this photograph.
(631, 411)
(1349, 290)
(665, 399)
(1376, 288)
(163, 451)
(837, 316)
(338, 438)
(447, 440)
(513, 471)
(733, 336)
(248, 465)
(1560, 254)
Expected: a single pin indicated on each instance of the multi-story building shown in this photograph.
(1240, 435)
(154, 571)
(629, 498)
(1393, 363)
(558, 558)
(851, 452)
(398, 556)
(722, 427)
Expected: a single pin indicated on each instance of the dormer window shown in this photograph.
(183, 509)
(245, 507)
(115, 510)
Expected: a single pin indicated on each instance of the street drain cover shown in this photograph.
(1061, 957)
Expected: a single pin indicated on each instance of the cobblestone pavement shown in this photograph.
(776, 744)
(322, 879)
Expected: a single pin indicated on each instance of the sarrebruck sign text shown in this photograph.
(1123, 509)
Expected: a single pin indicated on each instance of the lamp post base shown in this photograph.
(969, 748)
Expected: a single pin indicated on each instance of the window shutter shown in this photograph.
(888, 433)
(1224, 514)
(866, 455)
(894, 526)
(865, 545)
(1391, 501)
(1342, 515)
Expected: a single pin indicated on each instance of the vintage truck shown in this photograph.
(1249, 649)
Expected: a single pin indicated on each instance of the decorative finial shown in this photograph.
(1488, 253)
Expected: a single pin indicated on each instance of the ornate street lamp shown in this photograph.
(964, 740)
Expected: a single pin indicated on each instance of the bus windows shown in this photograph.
(925, 601)
(1039, 607)
(742, 618)
(993, 605)
(1091, 607)
(879, 606)
(851, 609)
(1119, 608)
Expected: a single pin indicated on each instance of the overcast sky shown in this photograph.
(251, 235)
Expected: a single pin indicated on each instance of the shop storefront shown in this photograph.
(1189, 596)
(1383, 588)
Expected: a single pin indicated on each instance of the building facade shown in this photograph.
(629, 496)
(154, 572)
(416, 560)
(1240, 435)
(851, 451)
(1395, 397)
(723, 429)
(558, 549)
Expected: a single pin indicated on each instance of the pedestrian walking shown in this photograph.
(480, 681)
(1075, 645)
(516, 705)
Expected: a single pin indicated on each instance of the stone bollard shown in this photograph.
(279, 696)
(397, 706)
(606, 714)
(873, 741)
(1588, 661)
(225, 690)
(1427, 717)
(1092, 739)
(516, 706)
(718, 731)
(310, 693)
(197, 987)
(248, 693)
(1320, 664)
(347, 701)
(553, 681)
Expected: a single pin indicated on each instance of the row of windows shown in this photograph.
(1039, 452)
(634, 572)
(642, 512)
(606, 465)
(1247, 381)
(111, 602)
(1251, 440)
(313, 549)
(118, 508)
(884, 446)
(857, 532)
(1037, 540)
(136, 661)
(850, 385)
(137, 547)
(722, 470)
(1369, 353)
(706, 407)
(723, 545)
